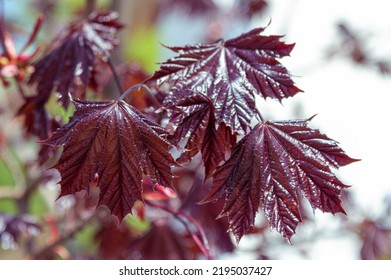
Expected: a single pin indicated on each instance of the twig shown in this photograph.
(261, 118)
(20, 88)
(49, 248)
(116, 77)
(204, 244)
(90, 6)
(129, 90)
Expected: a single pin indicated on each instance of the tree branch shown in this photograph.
(180, 215)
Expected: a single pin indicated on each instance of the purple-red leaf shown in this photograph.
(115, 141)
(376, 240)
(194, 115)
(268, 168)
(231, 73)
(68, 65)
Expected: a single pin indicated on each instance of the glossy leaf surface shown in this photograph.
(269, 167)
(231, 72)
(194, 114)
(119, 144)
(69, 63)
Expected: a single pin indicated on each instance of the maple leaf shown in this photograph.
(268, 168)
(115, 141)
(231, 72)
(70, 62)
(194, 115)
(215, 230)
(164, 242)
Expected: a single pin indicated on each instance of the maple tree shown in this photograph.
(196, 121)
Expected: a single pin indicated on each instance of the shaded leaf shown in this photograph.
(36, 120)
(69, 63)
(115, 141)
(268, 168)
(215, 230)
(376, 238)
(231, 73)
(163, 242)
(113, 242)
(194, 115)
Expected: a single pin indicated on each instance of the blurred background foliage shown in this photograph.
(34, 225)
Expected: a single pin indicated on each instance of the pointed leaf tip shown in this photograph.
(267, 168)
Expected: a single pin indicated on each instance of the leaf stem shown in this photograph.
(136, 86)
(261, 118)
(90, 7)
(49, 248)
(116, 77)
(20, 88)
(178, 214)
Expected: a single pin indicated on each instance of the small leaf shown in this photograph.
(70, 62)
(267, 169)
(36, 120)
(115, 141)
(194, 114)
(231, 73)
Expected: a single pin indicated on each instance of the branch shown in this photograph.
(116, 77)
(204, 244)
(49, 248)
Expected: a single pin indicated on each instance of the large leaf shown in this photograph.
(268, 168)
(70, 62)
(231, 73)
(115, 141)
(194, 115)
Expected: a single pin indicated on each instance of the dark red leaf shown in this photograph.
(376, 237)
(115, 141)
(164, 242)
(36, 120)
(68, 65)
(161, 242)
(230, 73)
(194, 115)
(113, 241)
(215, 230)
(268, 168)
